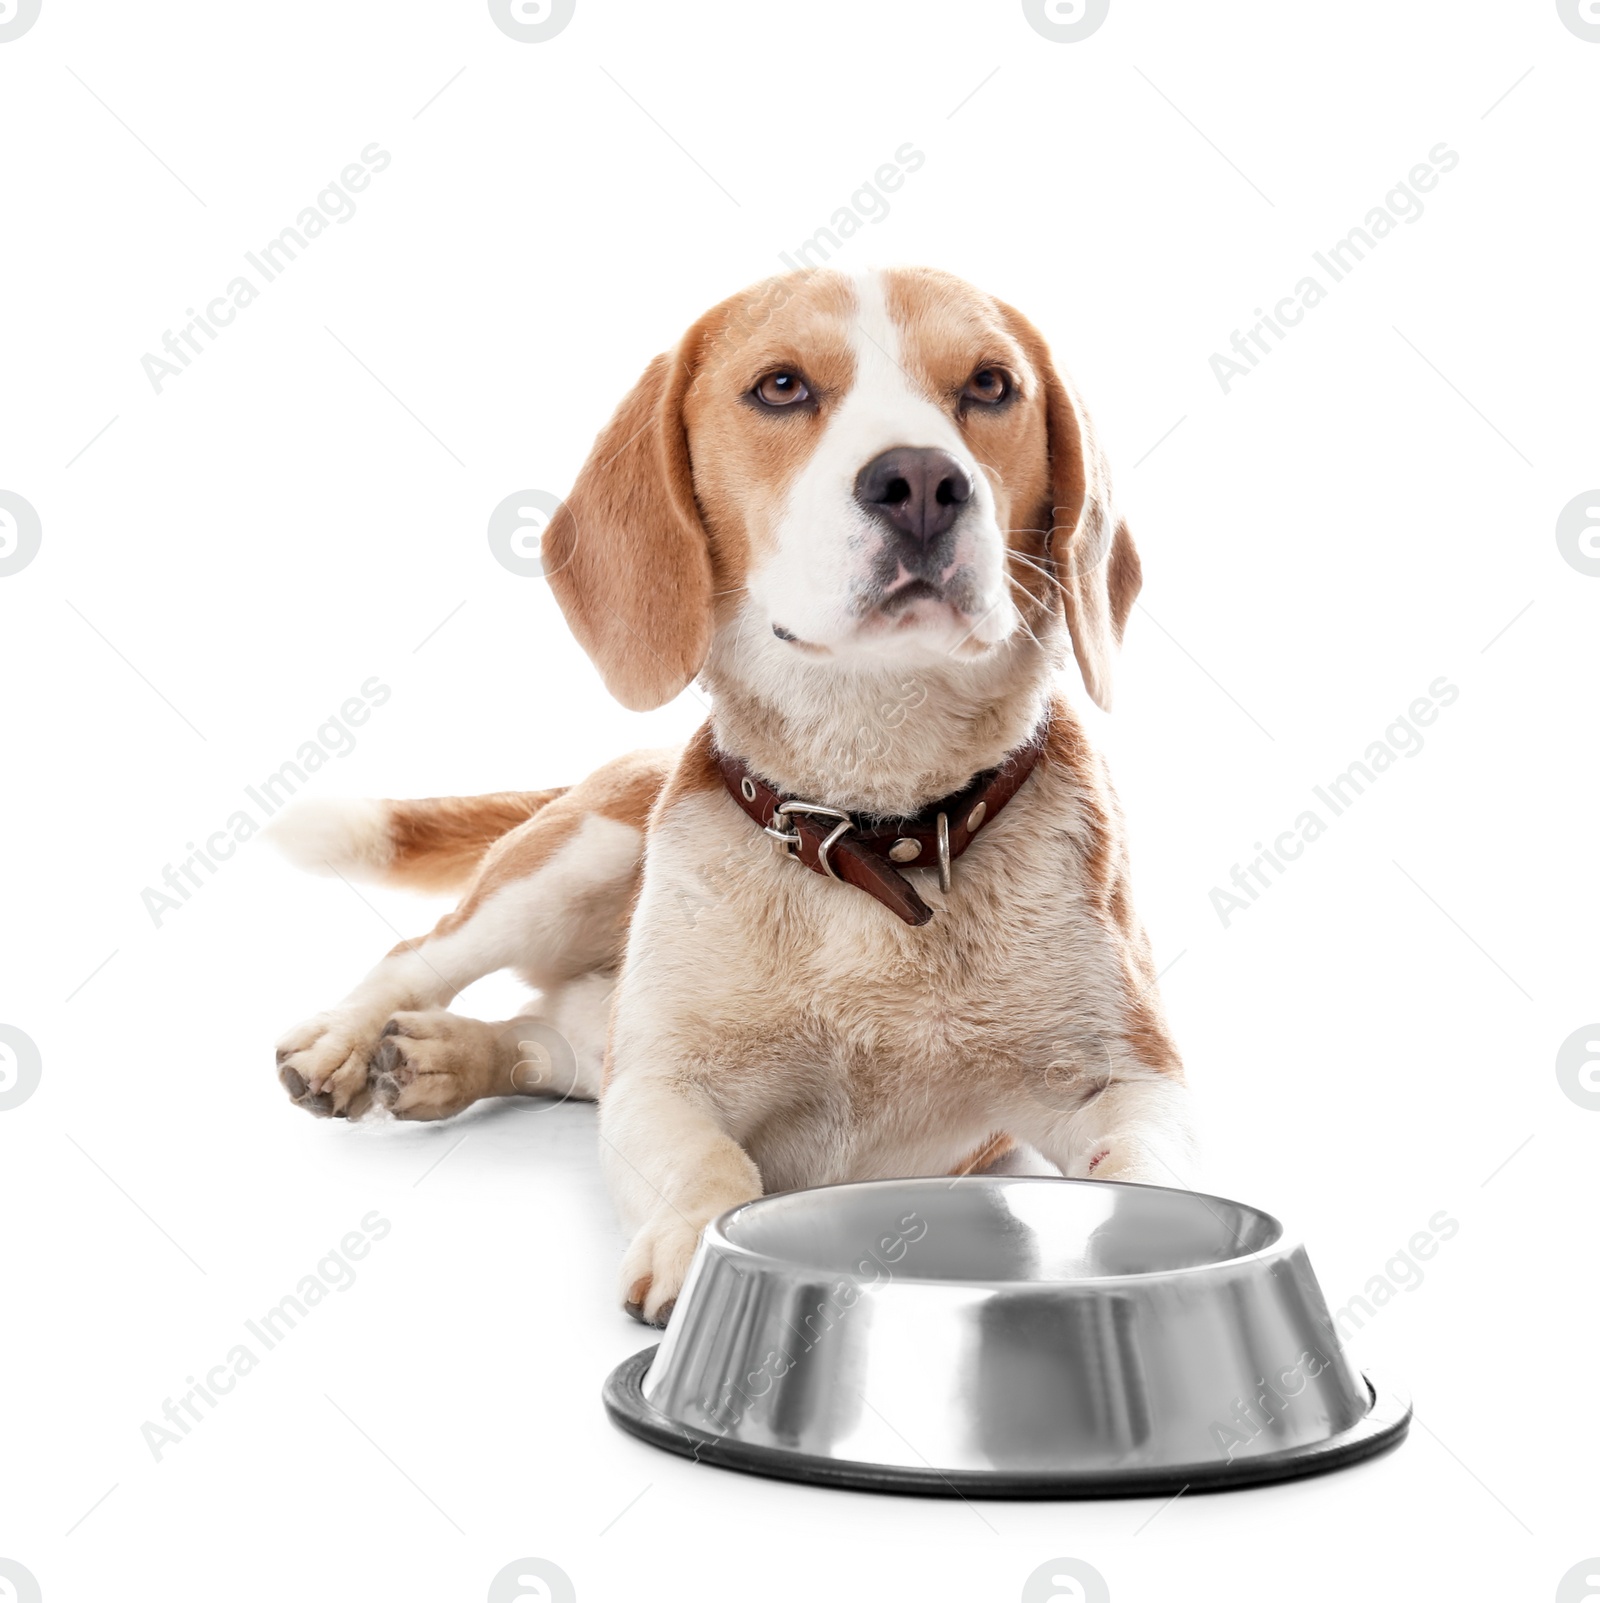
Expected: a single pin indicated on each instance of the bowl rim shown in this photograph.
(1281, 1245)
(1384, 1426)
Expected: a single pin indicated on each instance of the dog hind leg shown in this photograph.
(433, 1064)
(550, 899)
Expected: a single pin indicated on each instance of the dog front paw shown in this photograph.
(431, 1065)
(1139, 1159)
(657, 1261)
(322, 1063)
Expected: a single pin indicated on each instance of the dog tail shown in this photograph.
(432, 845)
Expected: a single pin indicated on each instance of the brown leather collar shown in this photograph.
(867, 854)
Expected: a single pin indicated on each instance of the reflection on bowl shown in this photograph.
(1004, 1337)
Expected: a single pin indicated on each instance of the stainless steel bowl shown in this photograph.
(1004, 1337)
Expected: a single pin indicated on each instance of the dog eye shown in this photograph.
(780, 389)
(989, 386)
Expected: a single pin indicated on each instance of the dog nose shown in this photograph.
(916, 489)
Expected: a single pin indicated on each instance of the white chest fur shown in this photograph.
(835, 1041)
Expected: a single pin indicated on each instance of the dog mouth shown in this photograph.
(910, 594)
(904, 605)
(909, 601)
(917, 607)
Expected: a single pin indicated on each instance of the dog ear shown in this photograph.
(1092, 552)
(626, 552)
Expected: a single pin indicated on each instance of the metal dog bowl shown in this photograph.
(1003, 1337)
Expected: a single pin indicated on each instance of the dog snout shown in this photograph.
(917, 490)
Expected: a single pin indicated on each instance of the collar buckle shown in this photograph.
(789, 840)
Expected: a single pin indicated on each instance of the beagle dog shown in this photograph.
(874, 919)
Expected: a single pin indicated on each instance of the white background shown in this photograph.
(1373, 1041)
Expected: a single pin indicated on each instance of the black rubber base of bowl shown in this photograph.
(1384, 1427)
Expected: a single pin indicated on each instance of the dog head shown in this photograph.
(885, 468)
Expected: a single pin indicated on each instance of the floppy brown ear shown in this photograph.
(626, 552)
(1094, 556)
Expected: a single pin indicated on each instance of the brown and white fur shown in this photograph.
(747, 1025)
